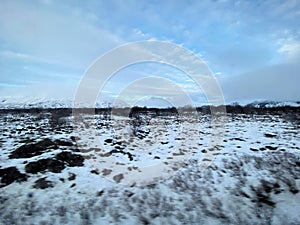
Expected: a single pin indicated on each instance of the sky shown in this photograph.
(252, 47)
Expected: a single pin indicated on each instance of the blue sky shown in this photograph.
(253, 47)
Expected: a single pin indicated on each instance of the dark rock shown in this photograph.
(106, 172)
(109, 140)
(100, 193)
(118, 177)
(52, 165)
(270, 135)
(73, 138)
(174, 154)
(42, 183)
(129, 155)
(30, 195)
(294, 190)
(10, 175)
(267, 187)
(95, 172)
(144, 220)
(262, 198)
(107, 154)
(118, 143)
(64, 143)
(26, 141)
(237, 139)
(129, 193)
(244, 194)
(32, 149)
(70, 158)
(119, 147)
(271, 147)
(72, 176)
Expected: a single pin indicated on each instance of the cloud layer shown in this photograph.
(253, 47)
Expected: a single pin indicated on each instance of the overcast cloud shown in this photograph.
(253, 47)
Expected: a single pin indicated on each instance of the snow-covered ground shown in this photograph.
(59, 175)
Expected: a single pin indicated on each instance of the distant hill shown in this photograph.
(45, 103)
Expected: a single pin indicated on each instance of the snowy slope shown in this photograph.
(7, 102)
(272, 104)
(28, 102)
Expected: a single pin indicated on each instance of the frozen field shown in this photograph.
(55, 173)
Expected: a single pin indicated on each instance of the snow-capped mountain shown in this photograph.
(25, 103)
(104, 102)
(273, 104)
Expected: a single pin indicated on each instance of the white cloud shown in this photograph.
(47, 39)
(290, 49)
(54, 35)
(50, 90)
(276, 82)
(7, 54)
